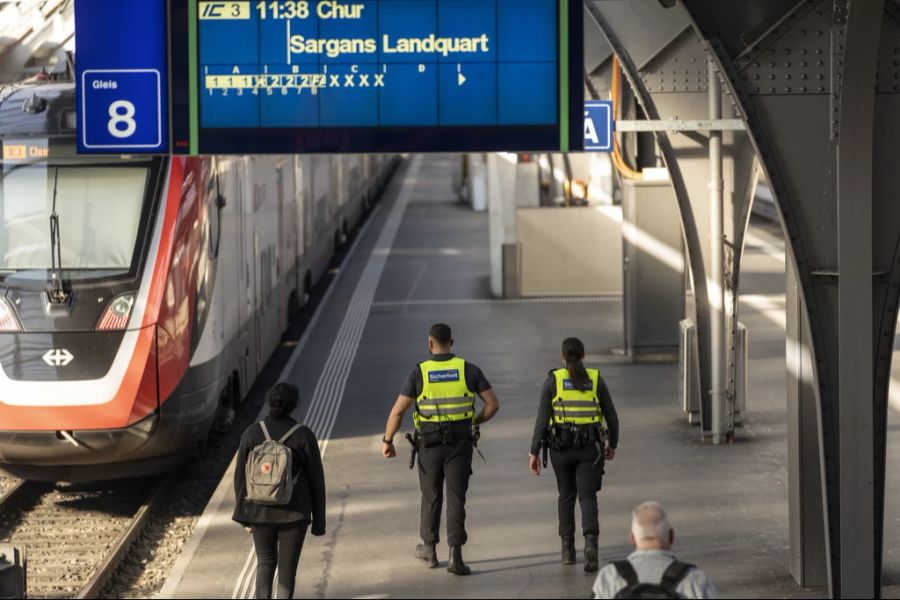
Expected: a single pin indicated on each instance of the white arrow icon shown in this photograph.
(58, 357)
(462, 79)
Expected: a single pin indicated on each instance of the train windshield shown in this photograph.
(86, 215)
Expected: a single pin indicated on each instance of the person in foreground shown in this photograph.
(279, 488)
(652, 571)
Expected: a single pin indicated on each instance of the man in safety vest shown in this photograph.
(442, 392)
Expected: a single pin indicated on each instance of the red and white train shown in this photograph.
(140, 297)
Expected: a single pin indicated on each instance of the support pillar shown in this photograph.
(855, 45)
(806, 505)
(814, 125)
(721, 428)
(501, 200)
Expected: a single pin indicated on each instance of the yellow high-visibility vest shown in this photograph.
(445, 396)
(571, 405)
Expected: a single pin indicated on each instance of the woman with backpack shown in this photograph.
(279, 487)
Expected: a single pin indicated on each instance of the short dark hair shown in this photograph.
(441, 334)
(283, 400)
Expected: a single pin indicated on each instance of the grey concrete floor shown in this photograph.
(728, 504)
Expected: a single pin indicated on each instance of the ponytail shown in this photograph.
(573, 352)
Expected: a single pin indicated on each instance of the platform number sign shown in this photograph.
(122, 109)
(598, 126)
(123, 80)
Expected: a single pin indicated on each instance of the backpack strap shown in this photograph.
(265, 431)
(626, 571)
(675, 573)
(290, 432)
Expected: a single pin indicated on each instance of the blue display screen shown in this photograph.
(378, 63)
(256, 76)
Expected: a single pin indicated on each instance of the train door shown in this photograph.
(298, 209)
(283, 281)
(248, 268)
(259, 271)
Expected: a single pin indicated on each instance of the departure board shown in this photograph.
(377, 76)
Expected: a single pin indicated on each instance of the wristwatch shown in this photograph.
(387, 441)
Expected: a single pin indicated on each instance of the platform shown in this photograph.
(423, 259)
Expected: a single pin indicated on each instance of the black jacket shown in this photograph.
(545, 411)
(308, 501)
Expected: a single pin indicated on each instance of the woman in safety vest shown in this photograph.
(577, 422)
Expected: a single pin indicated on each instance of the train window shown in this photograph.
(86, 200)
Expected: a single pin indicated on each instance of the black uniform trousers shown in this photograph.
(453, 464)
(577, 477)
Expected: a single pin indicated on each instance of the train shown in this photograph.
(140, 297)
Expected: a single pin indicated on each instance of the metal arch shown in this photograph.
(885, 250)
(667, 69)
(782, 77)
(691, 234)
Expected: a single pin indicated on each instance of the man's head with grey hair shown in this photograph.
(650, 528)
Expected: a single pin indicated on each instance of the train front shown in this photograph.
(79, 245)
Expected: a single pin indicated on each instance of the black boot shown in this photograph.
(591, 554)
(457, 566)
(427, 553)
(568, 551)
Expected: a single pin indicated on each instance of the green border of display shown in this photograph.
(194, 121)
(564, 75)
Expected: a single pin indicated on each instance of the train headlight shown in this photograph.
(115, 317)
(8, 320)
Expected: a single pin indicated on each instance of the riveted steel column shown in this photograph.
(856, 46)
(803, 74)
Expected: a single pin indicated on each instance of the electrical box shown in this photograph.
(654, 267)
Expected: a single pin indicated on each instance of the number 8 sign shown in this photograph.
(121, 109)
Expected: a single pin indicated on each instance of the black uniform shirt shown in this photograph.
(475, 379)
(545, 411)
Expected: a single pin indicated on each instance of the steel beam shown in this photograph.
(804, 76)
(682, 125)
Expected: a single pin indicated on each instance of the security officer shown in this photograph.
(578, 422)
(442, 391)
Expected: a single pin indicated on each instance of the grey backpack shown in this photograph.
(268, 470)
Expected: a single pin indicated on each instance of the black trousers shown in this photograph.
(278, 545)
(577, 477)
(452, 464)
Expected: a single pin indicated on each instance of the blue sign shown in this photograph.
(598, 126)
(278, 76)
(122, 76)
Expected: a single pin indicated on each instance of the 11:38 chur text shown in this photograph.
(325, 9)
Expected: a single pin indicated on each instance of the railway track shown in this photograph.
(75, 537)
